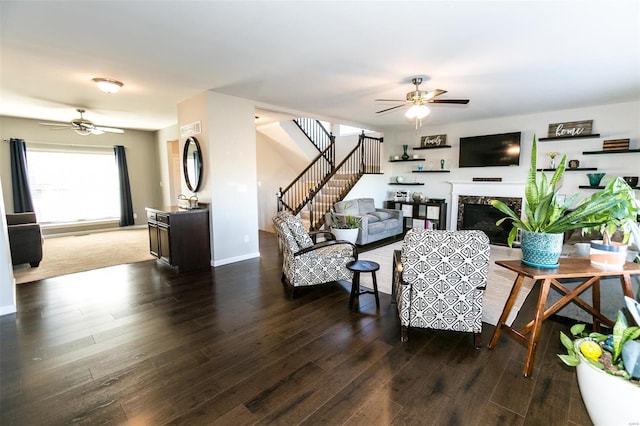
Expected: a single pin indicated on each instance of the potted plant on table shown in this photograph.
(608, 370)
(546, 217)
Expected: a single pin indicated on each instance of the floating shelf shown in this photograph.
(617, 151)
(430, 171)
(600, 187)
(410, 159)
(569, 170)
(431, 147)
(404, 183)
(556, 138)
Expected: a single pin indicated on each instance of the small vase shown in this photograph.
(595, 178)
(552, 166)
(405, 156)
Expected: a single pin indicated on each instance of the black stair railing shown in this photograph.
(315, 132)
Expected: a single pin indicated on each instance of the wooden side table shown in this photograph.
(578, 267)
(357, 267)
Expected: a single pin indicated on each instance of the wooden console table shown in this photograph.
(578, 267)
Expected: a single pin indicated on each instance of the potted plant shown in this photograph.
(345, 227)
(608, 371)
(546, 218)
(622, 215)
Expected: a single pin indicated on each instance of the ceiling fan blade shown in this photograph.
(449, 101)
(389, 100)
(66, 126)
(389, 109)
(107, 129)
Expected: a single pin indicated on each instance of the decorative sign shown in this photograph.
(570, 129)
(434, 140)
(615, 145)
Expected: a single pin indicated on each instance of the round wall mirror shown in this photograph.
(192, 164)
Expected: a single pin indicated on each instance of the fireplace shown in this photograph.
(475, 212)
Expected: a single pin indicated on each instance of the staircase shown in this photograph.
(322, 184)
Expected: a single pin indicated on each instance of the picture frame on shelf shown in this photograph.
(433, 212)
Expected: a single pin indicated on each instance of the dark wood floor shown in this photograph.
(138, 344)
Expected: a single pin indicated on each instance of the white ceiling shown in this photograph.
(326, 58)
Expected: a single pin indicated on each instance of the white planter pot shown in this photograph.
(609, 400)
(607, 256)
(350, 235)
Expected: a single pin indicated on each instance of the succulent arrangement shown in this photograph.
(617, 353)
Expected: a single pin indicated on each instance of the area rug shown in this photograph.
(500, 280)
(70, 254)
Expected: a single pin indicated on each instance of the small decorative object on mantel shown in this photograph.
(615, 145)
(434, 140)
(574, 164)
(570, 129)
(442, 164)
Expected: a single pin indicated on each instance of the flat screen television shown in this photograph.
(490, 150)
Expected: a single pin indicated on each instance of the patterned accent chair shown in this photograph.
(306, 263)
(440, 280)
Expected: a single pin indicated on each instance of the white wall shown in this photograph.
(615, 121)
(228, 142)
(162, 137)
(7, 282)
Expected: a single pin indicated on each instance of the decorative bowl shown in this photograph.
(595, 178)
(399, 179)
(632, 181)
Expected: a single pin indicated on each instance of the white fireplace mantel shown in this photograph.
(490, 189)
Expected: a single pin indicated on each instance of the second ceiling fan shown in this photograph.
(417, 101)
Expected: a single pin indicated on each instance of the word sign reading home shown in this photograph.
(434, 140)
(570, 129)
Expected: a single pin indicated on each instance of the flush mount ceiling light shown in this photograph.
(418, 112)
(107, 85)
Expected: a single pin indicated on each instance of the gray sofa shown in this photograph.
(377, 223)
(25, 238)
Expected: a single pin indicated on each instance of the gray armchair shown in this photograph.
(440, 280)
(25, 238)
(306, 263)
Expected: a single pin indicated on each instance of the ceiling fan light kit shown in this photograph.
(417, 99)
(108, 85)
(83, 127)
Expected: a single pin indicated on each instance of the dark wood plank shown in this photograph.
(140, 344)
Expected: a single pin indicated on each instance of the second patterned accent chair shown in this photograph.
(440, 281)
(306, 263)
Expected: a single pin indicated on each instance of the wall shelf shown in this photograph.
(404, 183)
(600, 187)
(570, 170)
(431, 147)
(410, 159)
(556, 138)
(617, 151)
(430, 171)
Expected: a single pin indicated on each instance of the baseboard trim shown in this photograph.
(8, 309)
(235, 259)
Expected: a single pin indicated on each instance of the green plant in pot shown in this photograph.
(621, 216)
(345, 227)
(546, 218)
(608, 370)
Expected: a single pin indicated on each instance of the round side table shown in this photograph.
(357, 267)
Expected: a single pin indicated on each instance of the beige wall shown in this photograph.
(141, 149)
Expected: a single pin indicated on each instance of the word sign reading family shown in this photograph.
(570, 129)
(435, 140)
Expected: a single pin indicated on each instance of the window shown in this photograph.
(73, 186)
(350, 130)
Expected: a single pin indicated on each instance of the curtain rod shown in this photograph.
(67, 144)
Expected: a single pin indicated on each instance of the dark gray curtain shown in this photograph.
(126, 206)
(19, 177)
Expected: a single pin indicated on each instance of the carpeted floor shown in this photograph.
(499, 284)
(67, 255)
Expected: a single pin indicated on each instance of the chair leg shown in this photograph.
(404, 333)
(477, 340)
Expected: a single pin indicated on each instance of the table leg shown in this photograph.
(625, 280)
(595, 295)
(355, 288)
(375, 288)
(537, 326)
(507, 310)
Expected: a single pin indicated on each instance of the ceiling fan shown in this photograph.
(82, 126)
(417, 100)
